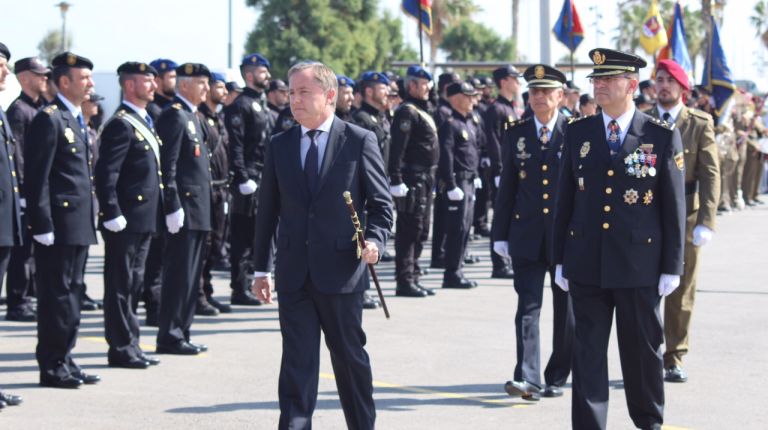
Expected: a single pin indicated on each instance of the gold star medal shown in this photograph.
(648, 197)
(584, 149)
(69, 135)
(630, 196)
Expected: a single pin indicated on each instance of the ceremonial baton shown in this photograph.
(360, 245)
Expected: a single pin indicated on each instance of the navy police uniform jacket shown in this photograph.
(616, 227)
(58, 179)
(247, 124)
(414, 140)
(10, 227)
(20, 115)
(525, 203)
(185, 166)
(127, 174)
(458, 149)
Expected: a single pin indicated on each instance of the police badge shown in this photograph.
(584, 149)
(69, 135)
(191, 127)
(256, 106)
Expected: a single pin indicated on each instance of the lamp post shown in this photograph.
(63, 7)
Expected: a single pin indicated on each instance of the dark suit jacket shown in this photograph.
(525, 204)
(184, 158)
(617, 230)
(10, 227)
(127, 175)
(57, 169)
(316, 232)
(20, 115)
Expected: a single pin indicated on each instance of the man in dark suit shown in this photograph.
(319, 277)
(60, 215)
(127, 178)
(10, 228)
(522, 229)
(618, 241)
(185, 166)
(31, 75)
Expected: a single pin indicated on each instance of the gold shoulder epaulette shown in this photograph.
(572, 119)
(518, 122)
(50, 109)
(176, 106)
(121, 112)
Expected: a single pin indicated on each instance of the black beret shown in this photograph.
(543, 76)
(193, 69)
(68, 59)
(133, 67)
(503, 72)
(460, 88)
(611, 62)
(32, 64)
(4, 52)
(447, 78)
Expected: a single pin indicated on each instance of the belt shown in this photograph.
(691, 187)
(416, 168)
(219, 182)
(465, 175)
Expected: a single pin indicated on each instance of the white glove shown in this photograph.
(501, 247)
(701, 235)
(23, 203)
(668, 283)
(226, 208)
(247, 187)
(116, 224)
(485, 162)
(399, 190)
(175, 221)
(559, 280)
(497, 180)
(478, 183)
(455, 194)
(45, 238)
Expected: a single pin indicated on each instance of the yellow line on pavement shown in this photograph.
(442, 394)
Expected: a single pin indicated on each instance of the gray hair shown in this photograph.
(324, 75)
(181, 79)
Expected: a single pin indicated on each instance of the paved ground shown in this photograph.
(439, 363)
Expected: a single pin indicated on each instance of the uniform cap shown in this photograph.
(32, 64)
(277, 85)
(610, 62)
(4, 52)
(377, 77)
(68, 59)
(503, 72)
(255, 60)
(460, 88)
(345, 81)
(193, 69)
(446, 79)
(586, 98)
(218, 77)
(233, 86)
(418, 72)
(133, 67)
(163, 65)
(543, 76)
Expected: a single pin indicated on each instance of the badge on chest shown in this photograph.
(641, 163)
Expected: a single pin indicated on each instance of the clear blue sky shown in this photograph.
(110, 32)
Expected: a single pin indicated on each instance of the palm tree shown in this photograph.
(759, 20)
(444, 14)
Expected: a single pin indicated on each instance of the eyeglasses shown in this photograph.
(607, 80)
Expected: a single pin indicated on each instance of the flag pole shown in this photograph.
(421, 41)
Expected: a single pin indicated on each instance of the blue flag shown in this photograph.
(421, 10)
(568, 28)
(717, 77)
(677, 42)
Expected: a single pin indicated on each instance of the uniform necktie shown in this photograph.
(148, 120)
(614, 139)
(544, 137)
(310, 161)
(83, 129)
(666, 117)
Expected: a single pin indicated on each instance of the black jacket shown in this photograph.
(10, 227)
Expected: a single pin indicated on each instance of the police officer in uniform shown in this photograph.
(165, 86)
(60, 210)
(186, 176)
(522, 229)
(618, 241)
(497, 118)
(702, 194)
(214, 250)
(128, 186)
(247, 123)
(345, 97)
(31, 75)
(457, 179)
(284, 121)
(277, 99)
(413, 157)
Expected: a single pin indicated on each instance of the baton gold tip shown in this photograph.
(347, 197)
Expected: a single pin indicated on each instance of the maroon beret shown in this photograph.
(677, 72)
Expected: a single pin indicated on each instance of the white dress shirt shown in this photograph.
(321, 140)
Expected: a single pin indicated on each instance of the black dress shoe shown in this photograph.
(552, 391)
(200, 346)
(180, 348)
(2, 404)
(429, 291)
(134, 363)
(10, 399)
(505, 273)
(423, 271)
(88, 304)
(151, 360)
(86, 378)
(203, 308)
(21, 314)
(523, 389)
(369, 302)
(462, 283)
(244, 298)
(675, 373)
(68, 381)
(223, 308)
(409, 290)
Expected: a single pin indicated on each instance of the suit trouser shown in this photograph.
(457, 216)
(678, 306)
(20, 281)
(241, 245)
(153, 275)
(426, 225)
(639, 332)
(182, 266)
(59, 281)
(213, 251)
(124, 257)
(483, 199)
(303, 314)
(409, 233)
